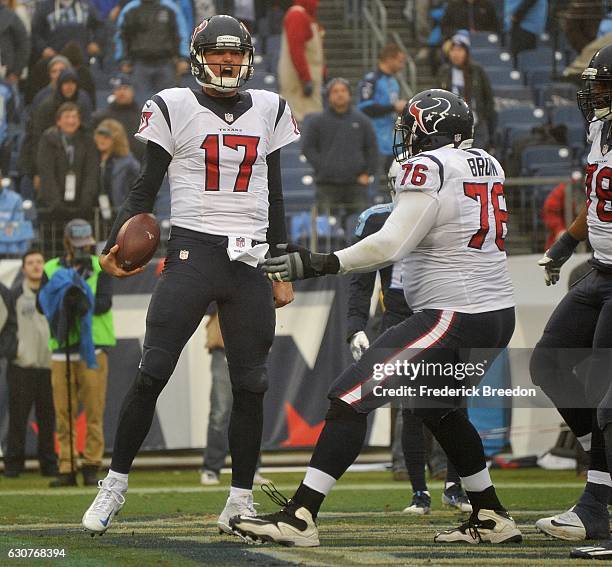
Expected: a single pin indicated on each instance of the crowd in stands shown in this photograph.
(74, 74)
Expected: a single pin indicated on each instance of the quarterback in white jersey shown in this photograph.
(221, 149)
(580, 328)
(448, 225)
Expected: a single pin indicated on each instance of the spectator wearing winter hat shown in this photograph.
(301, 61)
(468, 79)
(124, 109)
(53, 69)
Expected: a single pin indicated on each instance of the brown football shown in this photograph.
(138, 239)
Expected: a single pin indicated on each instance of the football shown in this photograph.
(138, 240)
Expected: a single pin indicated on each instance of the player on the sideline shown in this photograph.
(580, 328)
(221, 148)
(412, 438)
(448, 225)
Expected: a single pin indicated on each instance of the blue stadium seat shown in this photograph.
(491, 58)
(540, 57)
(503, 77)
(291, 158)
(534, 158)
(538, 75)
(483, 39)
(568, 115)
(552, 170)
(512, 94)
(298, 187)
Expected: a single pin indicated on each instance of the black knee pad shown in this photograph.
(541, 367)
(245, 379)
(247, 402)
(149, 386)
(344, 412)
(433, 416)
(157, 363)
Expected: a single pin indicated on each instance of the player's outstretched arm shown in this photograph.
(561, 251)
(413, 216)
(108, 262)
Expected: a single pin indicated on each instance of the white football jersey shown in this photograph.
(598, 185)
(460, 265)
(218, 173)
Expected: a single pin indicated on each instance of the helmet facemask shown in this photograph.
(225, 82)
(595, 99)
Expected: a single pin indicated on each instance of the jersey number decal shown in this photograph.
(480, 192)
(211, 146)
(418, 177)
(603, 194)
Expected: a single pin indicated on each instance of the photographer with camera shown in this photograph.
(76, 298)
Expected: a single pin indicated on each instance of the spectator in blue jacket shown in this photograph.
(379, 98)
(152, 43)
(15, 232)
(8, 121)
(56, 22)
(525, 20)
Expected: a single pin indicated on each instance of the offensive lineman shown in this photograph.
(412, 438)
(581, 325)
(221, 148)
(448, 225)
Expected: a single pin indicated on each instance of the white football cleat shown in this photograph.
(242, 506)
(488, 526)
(292, 526)
(209, 478)
(106, 505)
(567, 526)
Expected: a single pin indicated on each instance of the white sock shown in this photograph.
(122, 478)
(240, 493)
(599, 477)
(319, 481)
(477, 482)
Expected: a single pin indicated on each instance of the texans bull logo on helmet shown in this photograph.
(428, 118)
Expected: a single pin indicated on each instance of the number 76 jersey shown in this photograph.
(218, 173)
(460, 265)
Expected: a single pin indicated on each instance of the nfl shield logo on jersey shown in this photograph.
(229, 117)
(184, 254)
(240, 242)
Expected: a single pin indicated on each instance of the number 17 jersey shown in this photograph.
(218, 174)
(460, 265)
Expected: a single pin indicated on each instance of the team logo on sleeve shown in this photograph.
(144, 120)
(428, 118)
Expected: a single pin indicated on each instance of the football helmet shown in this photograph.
(595, 98)
(222, 33)
(432, 119)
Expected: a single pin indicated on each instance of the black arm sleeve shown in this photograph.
(375, 110)
(104, 294)
(141, 197)
(277, 229)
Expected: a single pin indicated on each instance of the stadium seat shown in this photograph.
(483, 39)
(537, 75)
(540, 57)
(492, 58)
(534, 158)
(298, 187)
(503, 77)
(568, 115)
(293, 158)
(511, 95)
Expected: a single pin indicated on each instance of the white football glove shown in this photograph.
(556, 256)
(359, 344)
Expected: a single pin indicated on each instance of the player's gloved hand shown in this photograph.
(556, 256)
(359, 343)
(307, 88)
(299, 264)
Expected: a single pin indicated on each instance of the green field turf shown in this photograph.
(169, 519)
